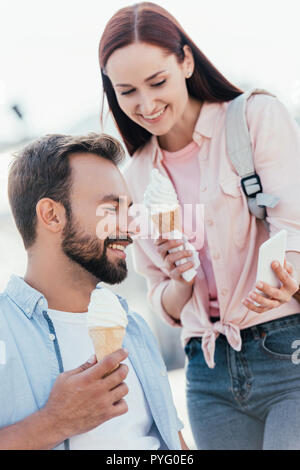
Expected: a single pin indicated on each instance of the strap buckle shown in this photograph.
(251, 185)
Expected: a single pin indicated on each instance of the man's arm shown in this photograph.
(182, 442)
(80, 400)
(36, 432)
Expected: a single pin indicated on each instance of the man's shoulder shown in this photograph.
(4, 302)
(134, 318)
(129, 312)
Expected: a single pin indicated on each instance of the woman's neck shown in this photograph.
(182, 133)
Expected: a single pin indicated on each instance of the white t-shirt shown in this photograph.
(133, 430)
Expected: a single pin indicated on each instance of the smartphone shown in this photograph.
(270, 250)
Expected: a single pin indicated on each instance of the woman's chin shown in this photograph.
(161, 131)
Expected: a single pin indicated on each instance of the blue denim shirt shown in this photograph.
(33, 361)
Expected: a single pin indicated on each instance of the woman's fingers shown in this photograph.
(288, 266)
(163, 246)
(171, 258)
(177, 272)
(289, 285)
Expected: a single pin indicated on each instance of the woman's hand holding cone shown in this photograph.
(175, 272)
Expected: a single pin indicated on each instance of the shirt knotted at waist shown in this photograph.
(209, 336)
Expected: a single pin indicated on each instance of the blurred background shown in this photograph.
(50, 82)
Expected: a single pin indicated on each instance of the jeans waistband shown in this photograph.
(259, 331)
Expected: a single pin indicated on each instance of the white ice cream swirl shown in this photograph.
(105, 310)
(160, 195)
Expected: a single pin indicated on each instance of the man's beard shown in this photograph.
(85, 250)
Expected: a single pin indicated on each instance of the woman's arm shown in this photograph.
(175, 296)
(167, 296)
(293, 257)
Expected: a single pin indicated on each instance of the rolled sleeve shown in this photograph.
(157, 281)
(275, 138)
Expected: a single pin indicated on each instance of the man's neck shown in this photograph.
(64, 284)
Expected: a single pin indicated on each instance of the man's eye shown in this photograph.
(112, 209)
(159, 83)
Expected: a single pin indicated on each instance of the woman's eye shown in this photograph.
(131, 91)
(159, 83)
(127, 92)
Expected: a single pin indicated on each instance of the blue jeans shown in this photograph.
(251, 399)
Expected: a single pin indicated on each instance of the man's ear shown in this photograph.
(50, 214)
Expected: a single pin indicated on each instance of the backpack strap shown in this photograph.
(239, 149)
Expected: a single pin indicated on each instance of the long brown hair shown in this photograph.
(152, 24)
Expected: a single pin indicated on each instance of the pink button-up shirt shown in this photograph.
(233, 234)
(182, 166)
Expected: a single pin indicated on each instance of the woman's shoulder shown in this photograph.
(261, 103)
(266, 113)
(137, 171)
(140, 161)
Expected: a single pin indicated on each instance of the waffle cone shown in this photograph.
(106, 340)
(166, 222)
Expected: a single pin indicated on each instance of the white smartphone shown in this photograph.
(270, 250)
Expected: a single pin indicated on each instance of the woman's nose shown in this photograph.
(147, 106)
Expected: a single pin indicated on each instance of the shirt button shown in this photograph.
(40, 302)
(224, 291)
(204, 188)
(52, 337)
(197, 138)
(216, 255)
(210, 222)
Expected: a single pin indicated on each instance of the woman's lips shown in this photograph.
(155, 120)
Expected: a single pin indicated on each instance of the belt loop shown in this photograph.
(255, 332)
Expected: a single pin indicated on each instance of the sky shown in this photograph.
(49, 63)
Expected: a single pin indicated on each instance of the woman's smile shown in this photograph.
(155, 117)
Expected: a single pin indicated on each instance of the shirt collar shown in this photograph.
(31, 301)
(28, 299)
(204, 128)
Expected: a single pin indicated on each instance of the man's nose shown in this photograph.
(123, 223)
(126, 226)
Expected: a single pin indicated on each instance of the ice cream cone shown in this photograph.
(161, 200)
(106, 340)
(167, 222)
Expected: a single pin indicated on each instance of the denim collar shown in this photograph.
(31, 301)
(28, 299)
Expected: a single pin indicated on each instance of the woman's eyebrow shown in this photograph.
(146, 80)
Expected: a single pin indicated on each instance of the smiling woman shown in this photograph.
(174, 71)
(170, 104)
(158, 101)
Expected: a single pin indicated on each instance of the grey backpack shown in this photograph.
(239, 149)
